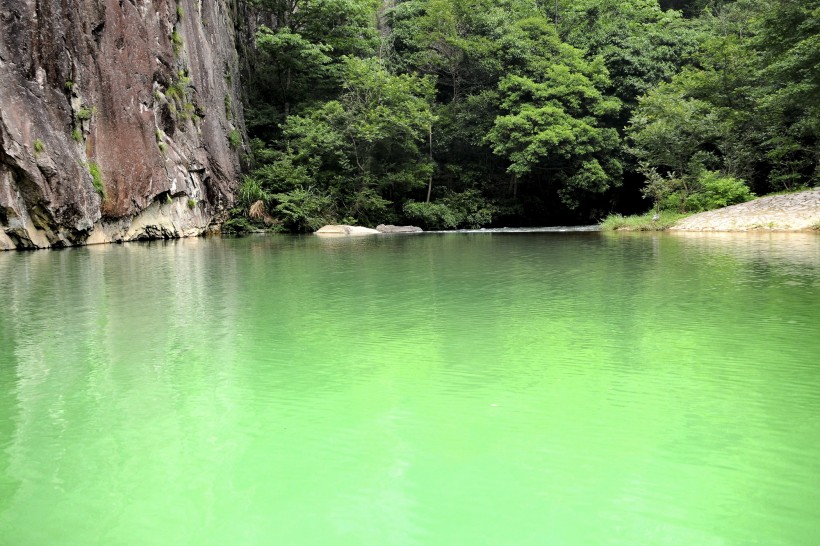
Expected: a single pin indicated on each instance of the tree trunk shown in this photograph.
(430, 182)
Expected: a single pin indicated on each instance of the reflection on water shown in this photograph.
(472, 388)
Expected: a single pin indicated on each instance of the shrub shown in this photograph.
(228, 107)
(431, 215)
(96, 178)
(191, 204)
(708, 190)
(77, 135)
(234, 139)
(718, 191)
(85, 113)
(369, 208)
(455, 210)
(176, 41)
(303, 209)
(39, 146)
(252, 191)
(473, 209)
(237, 225)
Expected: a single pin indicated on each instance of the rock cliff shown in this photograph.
(119, 119)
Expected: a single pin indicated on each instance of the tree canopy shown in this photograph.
(455, 113)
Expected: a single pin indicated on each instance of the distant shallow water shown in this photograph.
(549, 229)
(450, 388)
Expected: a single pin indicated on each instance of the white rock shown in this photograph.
(345, 230)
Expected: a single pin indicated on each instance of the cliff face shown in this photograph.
(119, 119)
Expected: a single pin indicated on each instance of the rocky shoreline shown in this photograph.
(788, 212)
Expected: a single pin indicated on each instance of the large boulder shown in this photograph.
(341, 229)
(381, 228)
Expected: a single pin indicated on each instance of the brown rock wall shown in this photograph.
(133, 89)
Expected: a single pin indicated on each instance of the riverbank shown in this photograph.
(799, 211)
(787, 212)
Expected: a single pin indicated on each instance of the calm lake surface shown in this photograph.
(488, 388)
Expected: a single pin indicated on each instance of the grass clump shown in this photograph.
(642, 222)
(180, 12)
(39, 146)
(77, 135)
(96, 178)
(160, 136)
(85, 113)
(179, 102)
(235, 139)
(176, 41)
(192, 204)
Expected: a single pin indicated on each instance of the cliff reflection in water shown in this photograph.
(522, 388)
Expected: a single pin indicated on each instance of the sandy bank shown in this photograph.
(790, 212)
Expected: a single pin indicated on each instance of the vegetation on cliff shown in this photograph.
(457, 113)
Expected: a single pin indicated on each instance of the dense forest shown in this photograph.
(470, 113)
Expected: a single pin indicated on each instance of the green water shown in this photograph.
(469, 389)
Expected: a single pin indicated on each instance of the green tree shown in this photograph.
(788, 101)
(298, 59)
(748, 106)
(361, 150)
(551, 128)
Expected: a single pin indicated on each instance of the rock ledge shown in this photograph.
(381, 228)
(343, 229)
(789, 212)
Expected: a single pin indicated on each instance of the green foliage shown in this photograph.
(551, 117)
(77, 135)
(234, 138)
(191, 203)
(299, 59)
(85, 113)
(525, 112)
(303, 209)
(748, 106)
(228, 107)
(455, 210)
(237, 224)
(706, 191)
(96, 178)
(176, 41)
(180, 12)
(160, 137)
(252, 191)
(472, 209)
(431, 215)
(716, 191)
(356, 152)
(69, 85)
(39, 146)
